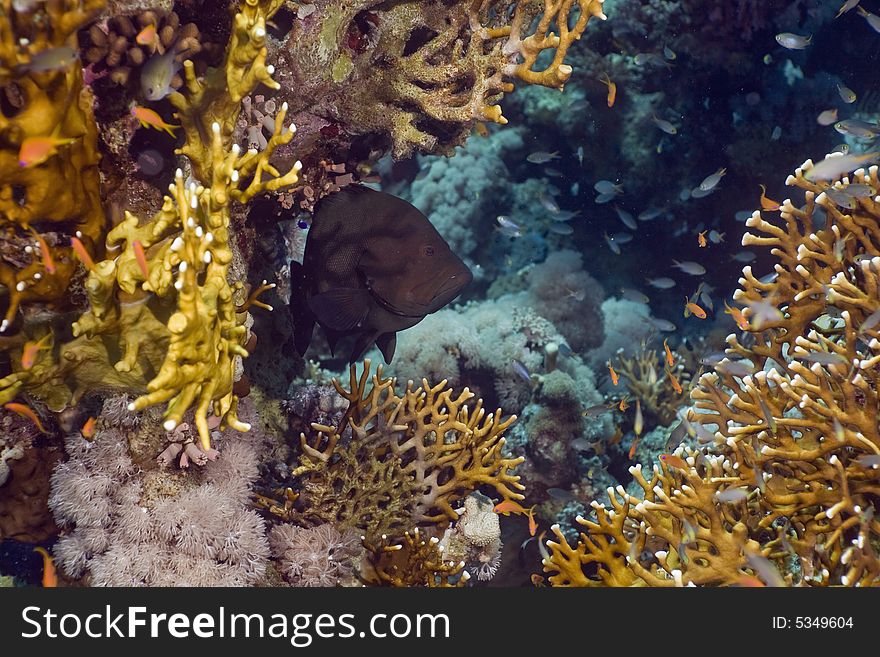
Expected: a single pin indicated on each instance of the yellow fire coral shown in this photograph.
(408, 458)
(416, 560)
(788, 479)
(47, 102)
(162, 317)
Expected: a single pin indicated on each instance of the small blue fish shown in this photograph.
(521, 371)
(157, 74)
(506, 226)
(793, 41)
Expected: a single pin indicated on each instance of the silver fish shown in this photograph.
(548, 203)
(715, 237)
(669, 53)
(614, 246)
(661, 283)
(689, 267)
(731, 495)
(822, 357)
(157, 74)
(710, 182)
(542, 157)
(561, 228)
(608, 187)
(627, 219)
(580, 155)
(696, 192)
(634, 295)
(743, 215)
(561, 494)
(869, 461)
(859, 190)
(872, 19)
(776, 134)
(622, 238)
(858, 128)
(508, 227)
(596, 410)
(521, 371)
(581, 444)
(827, 117)
(565, 215)
(834, 165)
(846, 94)
(650, 214)
(735, 368)
(605, 198)
(846, 6)
(743, 256)
(870, 322)
(51, 59)
(664, 125)
(841, 198)
(793, 41)
(662, 324)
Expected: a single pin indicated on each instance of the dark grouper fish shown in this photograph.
(373, 265)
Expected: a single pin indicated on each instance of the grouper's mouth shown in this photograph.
(452, 286)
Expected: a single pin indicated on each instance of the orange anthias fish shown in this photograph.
(632, 449)
(690, 308)
(150, 119)
(50, 576)
(623, 405)
(45, 253)
(674, 461)
(80, 250)
(88, 429)
(748, 581)
(36, 150)
(768, 204)
(30, 351)
(27, 412)
(738, 317)
(614, 376)
(148, 36)
(481, 129)
(507, 507)
(612, 89)
(670, 359)
(533, 524)
(537, 580)
(141, 258)
(675, 384)
(701, 240)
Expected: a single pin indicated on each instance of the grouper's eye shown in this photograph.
(427, 250)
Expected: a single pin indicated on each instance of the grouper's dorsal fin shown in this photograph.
(342, 308)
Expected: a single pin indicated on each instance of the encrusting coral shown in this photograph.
(43, 200)
(395, 461)
(787, 484)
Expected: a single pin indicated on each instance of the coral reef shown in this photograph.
(787, 481)
(122, 527)
(398, 460)
(415, 560)
(47, 196)
(421, 74)
(315, 556)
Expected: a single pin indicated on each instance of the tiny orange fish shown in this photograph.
(690, 308)
(150, 119)
(36, 150)
(141, 258)
(670, 359)
(618, 434)
(533, 524)
(701, 240)
(88, 429)
(768, 204)
(632, 449)
(45, 253)
(675, 384)
(612, 89)
(26, 412)
(674, 461)
(147, 36)
(614, 376)
(30, 351)
(537, 580)
(510, 506)
(50, 575)
(80, 250)
(623, 405)
(481, 129)
(738, 317)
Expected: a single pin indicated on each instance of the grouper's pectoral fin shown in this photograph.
(341, 309)
(387, 343)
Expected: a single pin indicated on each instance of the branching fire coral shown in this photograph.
(414, 561)
(399, 460)
(424, 72)
(789, 478)
(162, 311)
